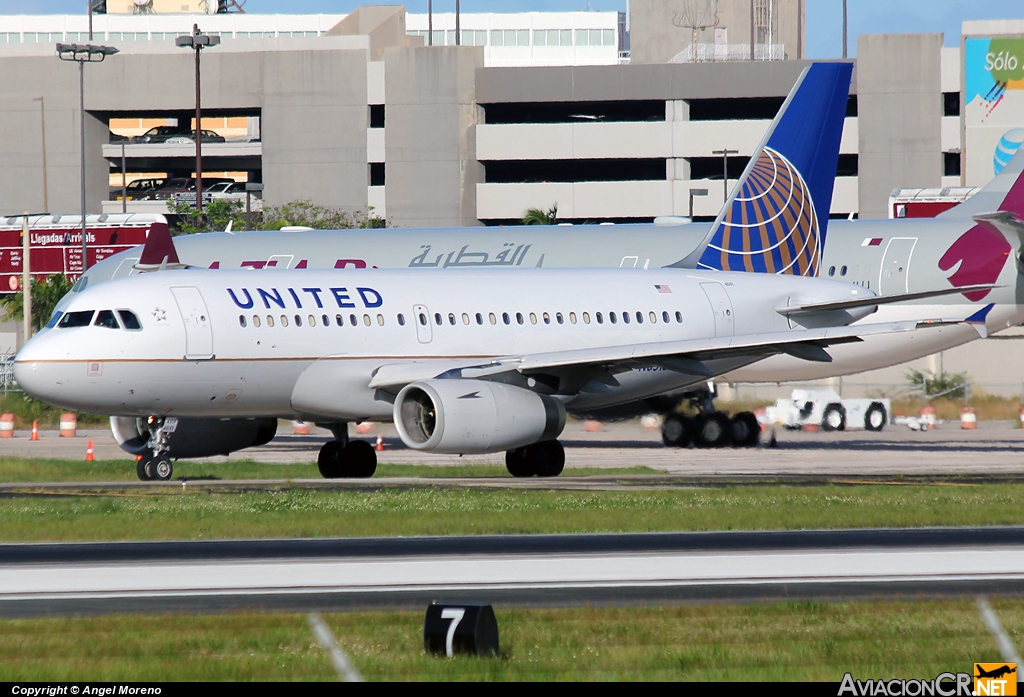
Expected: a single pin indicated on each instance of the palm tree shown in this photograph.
(536, 216)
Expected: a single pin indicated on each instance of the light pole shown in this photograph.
(725, 170)
(82, 54)
(197, 42)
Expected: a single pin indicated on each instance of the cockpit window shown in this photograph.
(57, 314)
(129, 320)
(80, 284)
(82, 318)
(105, 318)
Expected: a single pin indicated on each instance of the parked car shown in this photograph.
(189, 137)
(176, 134)
(118, 138)
(179, 188)
(138, 190)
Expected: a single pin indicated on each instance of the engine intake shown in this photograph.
(474, 416)
(195, 437)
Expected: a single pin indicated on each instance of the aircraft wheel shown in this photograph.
(142, 469)
(328, 462)
(713, 431)
(834, 418)
(358, 460)
(746, 432)
(875, 417)
(548, 458)
(676, 431)
(160, 469)
(517, 464)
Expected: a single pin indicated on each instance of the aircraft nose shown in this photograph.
(39, 378)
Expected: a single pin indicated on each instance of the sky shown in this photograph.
(824, 17)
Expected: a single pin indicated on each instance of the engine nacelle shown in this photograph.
(474, 416)
(195, 437)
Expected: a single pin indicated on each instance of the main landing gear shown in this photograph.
(155, 465)
(545, 459)
(345, 459)
(710, 428)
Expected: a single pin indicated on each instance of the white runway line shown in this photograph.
(346, 671)
(508, 571)
(1006, 647)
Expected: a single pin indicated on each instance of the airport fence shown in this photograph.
(7, 383)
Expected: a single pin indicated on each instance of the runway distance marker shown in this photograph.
(451, 628)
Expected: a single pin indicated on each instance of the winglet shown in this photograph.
(159, 252)
(977, 320)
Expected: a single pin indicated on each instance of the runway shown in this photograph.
(553, 570)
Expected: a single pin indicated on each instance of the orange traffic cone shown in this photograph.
(380, 443)
(88, 452)
(35, 431)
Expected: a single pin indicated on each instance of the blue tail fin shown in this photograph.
(776, 217)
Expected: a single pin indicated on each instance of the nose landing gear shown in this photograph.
(545, 459)
(345, 459)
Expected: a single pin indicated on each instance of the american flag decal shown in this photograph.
(662, 289)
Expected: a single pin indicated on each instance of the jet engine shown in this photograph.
(474, 416)
(195, 437)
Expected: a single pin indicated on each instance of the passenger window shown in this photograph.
(284, 320)
(664, 316)
(586, 318)
(640, 317)
(492, 318)
(380, 320)
(352, 320)
(572, 317)
(312, 321)
(298, 321)
(451, 318)
(401, 320)
(82, 318)
(326, 321)
(505, 319)
(241, 320)
(105, 318)
(255, 320)
(366, 320)
(842, 271)
(479, 318)
(129, 320)
(423, 319)
(653, 317)
(679, 317)
(270, 320)
(831, 271)
(599, 318)
(465, 318)
(519, 317)
(339, 320)
(437, 318)
(625, 318)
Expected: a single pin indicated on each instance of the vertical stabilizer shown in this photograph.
(776, 217)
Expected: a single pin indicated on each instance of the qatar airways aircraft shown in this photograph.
(463, 362)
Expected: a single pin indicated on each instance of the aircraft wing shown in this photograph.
(688, 356)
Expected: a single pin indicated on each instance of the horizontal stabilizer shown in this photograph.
(1009, 225)
(807, 352)
(878, 300)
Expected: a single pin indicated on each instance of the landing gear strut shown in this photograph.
(710, 428)
(155, 465)
(345, 459)
(545, 459)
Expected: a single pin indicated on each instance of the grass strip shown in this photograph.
(174, 514)
(747, 642)
(24, 469)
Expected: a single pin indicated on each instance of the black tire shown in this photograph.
(875, 417)
(676, 431)
(142, 469)
(517, 463)
(358, 460)
(160, 469)
(746, 431)
(328, 461)
(713, 431)
(833, 418)
(548, 458)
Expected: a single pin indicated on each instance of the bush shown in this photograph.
(218, 213)
(949, 385)
(26, 410)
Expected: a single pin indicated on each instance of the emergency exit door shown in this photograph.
(198, 329)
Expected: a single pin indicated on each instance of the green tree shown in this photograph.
(951, 385)
(537, 216)
(218, 213)
(45, 296)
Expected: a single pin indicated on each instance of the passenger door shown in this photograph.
(721, 306)
(198, 329)
(894, 277)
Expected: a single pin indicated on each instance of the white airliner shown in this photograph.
(462, 362)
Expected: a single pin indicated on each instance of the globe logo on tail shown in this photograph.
(770, 226)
